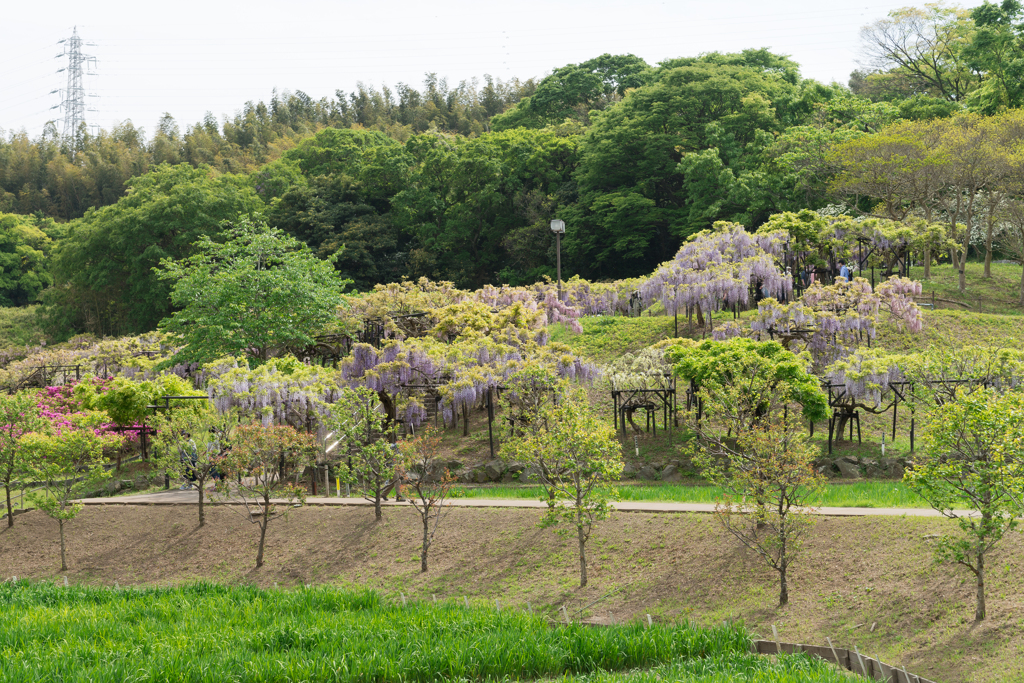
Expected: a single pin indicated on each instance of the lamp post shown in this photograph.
(558, 227)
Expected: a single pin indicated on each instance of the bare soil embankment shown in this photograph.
(869, 582)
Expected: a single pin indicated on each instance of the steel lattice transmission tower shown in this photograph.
(73, 97)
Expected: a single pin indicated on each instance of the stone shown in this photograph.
(493, 469)
(670, 473)
(113, 486)
(873, 471)
(480, 475)
(530, 475)
(515, 467)
(847, 470)
(628, 471)
(467, 476)
(892, 467)
(648, 473)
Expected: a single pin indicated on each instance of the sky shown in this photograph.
(191, 57)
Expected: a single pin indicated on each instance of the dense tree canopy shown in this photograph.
(102, 270)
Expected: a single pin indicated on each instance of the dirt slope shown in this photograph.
(856, 573)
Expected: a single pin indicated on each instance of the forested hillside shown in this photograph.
(460, 183)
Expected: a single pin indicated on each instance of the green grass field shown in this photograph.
(212, 633)
(866, 494)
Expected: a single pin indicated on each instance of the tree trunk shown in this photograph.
(426, 545)
(63, 548)
(379, 514)
(465, 420)
(7, 487)
(202, 496)
(1022, 284)
(263, 535)
(963, 261)
(979, 610)
(988, 246)
(783, 587)
(583, 556)
(927, 263)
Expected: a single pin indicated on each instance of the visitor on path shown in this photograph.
(844, 272)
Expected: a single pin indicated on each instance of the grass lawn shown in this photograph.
(866, 494)
(209, 632)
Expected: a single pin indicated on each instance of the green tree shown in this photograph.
(256, 294)
(194, 444)
(996, 49)
(261, 460)
(103, 270)
(921, 50)
(24, 260)
(19, 415)
(678, 154)
(61, 460)
(577, 455)
(742, 383)
(766, 475)
(970, 459)
(427, 484)
(572, 91)
(356, 429)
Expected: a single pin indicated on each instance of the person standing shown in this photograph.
(844, 271)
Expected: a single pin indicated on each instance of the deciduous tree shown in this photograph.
(970, 459)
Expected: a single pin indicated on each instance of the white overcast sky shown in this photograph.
(190, 57)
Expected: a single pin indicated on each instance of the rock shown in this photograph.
(847, 470)
(670, 473)
(113, 486)
(892, 467)
(513, 472)
(530, 475)
(480, 475)
(493, 469)
(628, 471)
(873, 471)
(467, 476)
(648, 473)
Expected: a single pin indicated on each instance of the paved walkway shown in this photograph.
(177, 497)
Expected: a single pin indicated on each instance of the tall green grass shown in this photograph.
(867, 494)
(214, 633)
(746, 668)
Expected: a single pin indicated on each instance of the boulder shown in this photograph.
(529, 475)
(873, 471)
(113, 486)
(628, 471)
(480, 475)
(648, 473)
(670, 473)
(493, 469)
(515, 467)
(892, 467)
(847, 470)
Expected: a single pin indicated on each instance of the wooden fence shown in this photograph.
(851, 660)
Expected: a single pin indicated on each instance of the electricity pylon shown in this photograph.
(72, 99)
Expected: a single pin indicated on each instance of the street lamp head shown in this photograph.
(558, 226)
